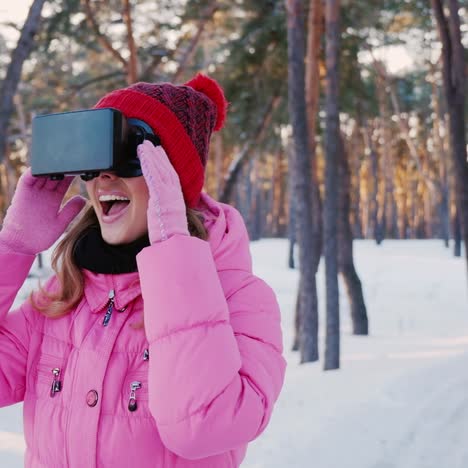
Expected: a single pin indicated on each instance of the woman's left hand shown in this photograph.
(166, 207)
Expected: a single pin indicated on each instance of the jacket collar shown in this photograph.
(97, 286)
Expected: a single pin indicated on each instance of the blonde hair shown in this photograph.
(69, 276)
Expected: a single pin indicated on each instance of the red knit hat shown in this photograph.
(182, 116)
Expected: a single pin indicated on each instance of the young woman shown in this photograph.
(153, 345)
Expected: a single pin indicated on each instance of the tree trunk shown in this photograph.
(444, 210)
(387, 212)
(297, 319)
(277, 193)
(345, 250)
(273, 198)
(314, 48)
(292, 242)
(256, 200)
(444, 205)
(292, 235)
(456, 235)
(301, 181)
(332, 148)
(371, 229)
(312, 84)
(354, 188)
(453, 72)
(249, 189)
(13, 74)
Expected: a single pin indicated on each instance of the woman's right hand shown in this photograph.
(34, 221)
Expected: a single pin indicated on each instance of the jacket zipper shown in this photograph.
(110, 308)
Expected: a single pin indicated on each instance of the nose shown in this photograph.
(107, 175)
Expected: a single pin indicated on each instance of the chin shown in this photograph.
(115, 239)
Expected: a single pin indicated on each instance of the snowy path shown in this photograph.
(436, 429)
(418, 420)
(400, 399)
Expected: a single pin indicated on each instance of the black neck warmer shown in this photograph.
(94, 254)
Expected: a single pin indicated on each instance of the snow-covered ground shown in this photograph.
(400, 399)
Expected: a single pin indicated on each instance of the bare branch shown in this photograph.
(186, 58)
(132, 72)
(13, 75)
(402, 123)
(252, 142)
(104, 41)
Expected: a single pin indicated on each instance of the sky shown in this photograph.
(15, 12)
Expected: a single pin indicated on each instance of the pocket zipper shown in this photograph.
(132, 402)
(56, 383)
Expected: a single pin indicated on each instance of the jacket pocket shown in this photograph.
(135, 393)
(50, 415)
(49, 374)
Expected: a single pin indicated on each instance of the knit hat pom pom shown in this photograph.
(213, 91)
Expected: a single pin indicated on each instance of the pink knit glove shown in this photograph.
(33, 222)
(166, 207)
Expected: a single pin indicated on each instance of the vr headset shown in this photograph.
(87, 142)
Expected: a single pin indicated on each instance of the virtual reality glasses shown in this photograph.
(86, 143)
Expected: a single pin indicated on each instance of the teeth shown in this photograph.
(112, 197)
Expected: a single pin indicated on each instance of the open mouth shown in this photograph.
(112, 205)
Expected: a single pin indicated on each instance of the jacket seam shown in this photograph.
(203, 407)
(129, 418)
(213, 324)
(259, 340)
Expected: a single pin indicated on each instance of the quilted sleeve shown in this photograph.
(216, 345)
(14, 329)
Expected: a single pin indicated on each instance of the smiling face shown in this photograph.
(121, 206)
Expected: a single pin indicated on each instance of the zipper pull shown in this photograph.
(146, 355)
(132, 403)
(110, 308)
(56, 383)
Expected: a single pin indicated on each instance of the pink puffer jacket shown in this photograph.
(191, 389)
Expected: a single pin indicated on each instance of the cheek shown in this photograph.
(141, 199)
(142, 207)
(141, 194)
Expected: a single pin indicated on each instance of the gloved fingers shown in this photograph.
(44, 183)
(63, 185)
(27, 178)
(150, 171)
(59, 186)
(158, 162)
(163, 159)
